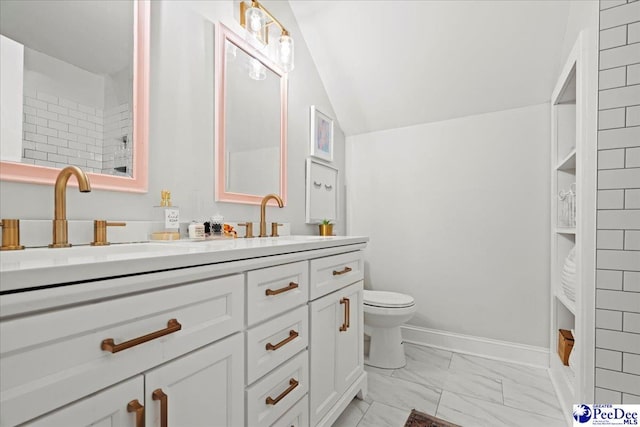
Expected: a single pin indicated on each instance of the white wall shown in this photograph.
(458, 216)
(11, 77)
(181, 154)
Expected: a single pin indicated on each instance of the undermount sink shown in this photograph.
(38, 257)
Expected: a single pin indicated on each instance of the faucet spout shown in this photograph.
(60, 224)
(263, 211)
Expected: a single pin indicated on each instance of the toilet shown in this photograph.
(384, 312)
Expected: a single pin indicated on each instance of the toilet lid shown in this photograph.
(387, 299)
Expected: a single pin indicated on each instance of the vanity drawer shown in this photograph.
(282, 388)
(287, 334)
(48, 360)
(297, 416)
(274, 290)
(331, 273)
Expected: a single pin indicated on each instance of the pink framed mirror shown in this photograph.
(85, 97)
(251, 122)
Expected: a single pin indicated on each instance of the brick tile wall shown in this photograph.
(617, 332)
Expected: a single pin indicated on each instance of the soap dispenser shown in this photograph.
(166, 219)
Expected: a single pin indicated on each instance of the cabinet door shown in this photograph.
(103, 409)
(202, 388)
(336, 352)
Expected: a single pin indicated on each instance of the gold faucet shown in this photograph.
(60, 228)
(263, 211)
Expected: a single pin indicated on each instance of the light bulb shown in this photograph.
(286, 52)
(257, 70)
(255, 19)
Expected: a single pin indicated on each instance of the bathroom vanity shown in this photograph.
(255, 332)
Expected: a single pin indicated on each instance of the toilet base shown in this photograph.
(385, 349)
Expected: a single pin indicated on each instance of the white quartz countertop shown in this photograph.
(33, 268)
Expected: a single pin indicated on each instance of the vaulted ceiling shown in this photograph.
(392, 63)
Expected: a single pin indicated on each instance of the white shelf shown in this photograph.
(563, 230)
(570, 305)
(569, 162)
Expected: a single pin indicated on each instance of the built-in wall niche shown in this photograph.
(80, 85)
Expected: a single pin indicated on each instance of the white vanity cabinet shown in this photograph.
(219, 334)
(336, 347)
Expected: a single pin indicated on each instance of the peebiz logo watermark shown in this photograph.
(606, 415)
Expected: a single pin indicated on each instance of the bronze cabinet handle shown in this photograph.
(343, 271)
(292, 384)
(135, 406)
(292, 336)
(160, 395)
(347, 307)
(290, 287)
(109, 344)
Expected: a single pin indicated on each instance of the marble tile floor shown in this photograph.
(466, 390)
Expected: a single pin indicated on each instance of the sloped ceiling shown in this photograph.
(390, 63)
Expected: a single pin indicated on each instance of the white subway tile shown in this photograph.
(94, 119)
(608, 359)
(99, 113)
(632, 199)
(53, 124)
(68, 103)
(610, 239)
(632, 322)
(29, 110)
(87, 109)
(606, 4)
(30, 92)
(618, 260)
(45, 163)
(94, 149)
(29, 127)
(632, 158)
(35, 137)
(56, 158)
(619, 138)
(77, 130)
(620, 15)
(47, 114)
(94, 134)
(27, 161)
(78, 115)
(609, 279)
(619, 97)
(631, 281)
(32, 154)
(634, 32)
(633, 74)
(86, 140)
(626, 383)
(58, 142)
(58, 109)
(77, 162)
(609, 319)
(85, 155)
(630, 399)
(28, 118)
(611, 159)
(28, 144)
(633, 116)
(42, 130)
(607, 397)
(632, 240)
(94, 164)
(68, 120)
(67, 136)
(618, 300)
(77, 146)
(67, 152)
(620, 341)
(613, 37)
(619, 178)
(611, 119)
(86, 125)
(42, 96)
(631, 364)
(35, 103)
(99, 128)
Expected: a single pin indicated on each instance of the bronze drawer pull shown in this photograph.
(291, 286)
(292, 336)
(109, 345)
(345, 270)
(160, 395)
(292, 384)
(135, 406)
(347, 307)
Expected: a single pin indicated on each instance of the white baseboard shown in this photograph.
(477, 346)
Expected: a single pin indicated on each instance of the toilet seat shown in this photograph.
(387, 299)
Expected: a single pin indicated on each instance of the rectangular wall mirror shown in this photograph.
(251, 122)
(75, 91)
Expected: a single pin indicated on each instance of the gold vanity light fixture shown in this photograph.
(257, 19)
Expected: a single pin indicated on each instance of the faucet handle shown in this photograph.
(274, 229)
(249, 232)
(10, 235)
(100, 231)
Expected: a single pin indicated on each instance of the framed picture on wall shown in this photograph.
(321, 135)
